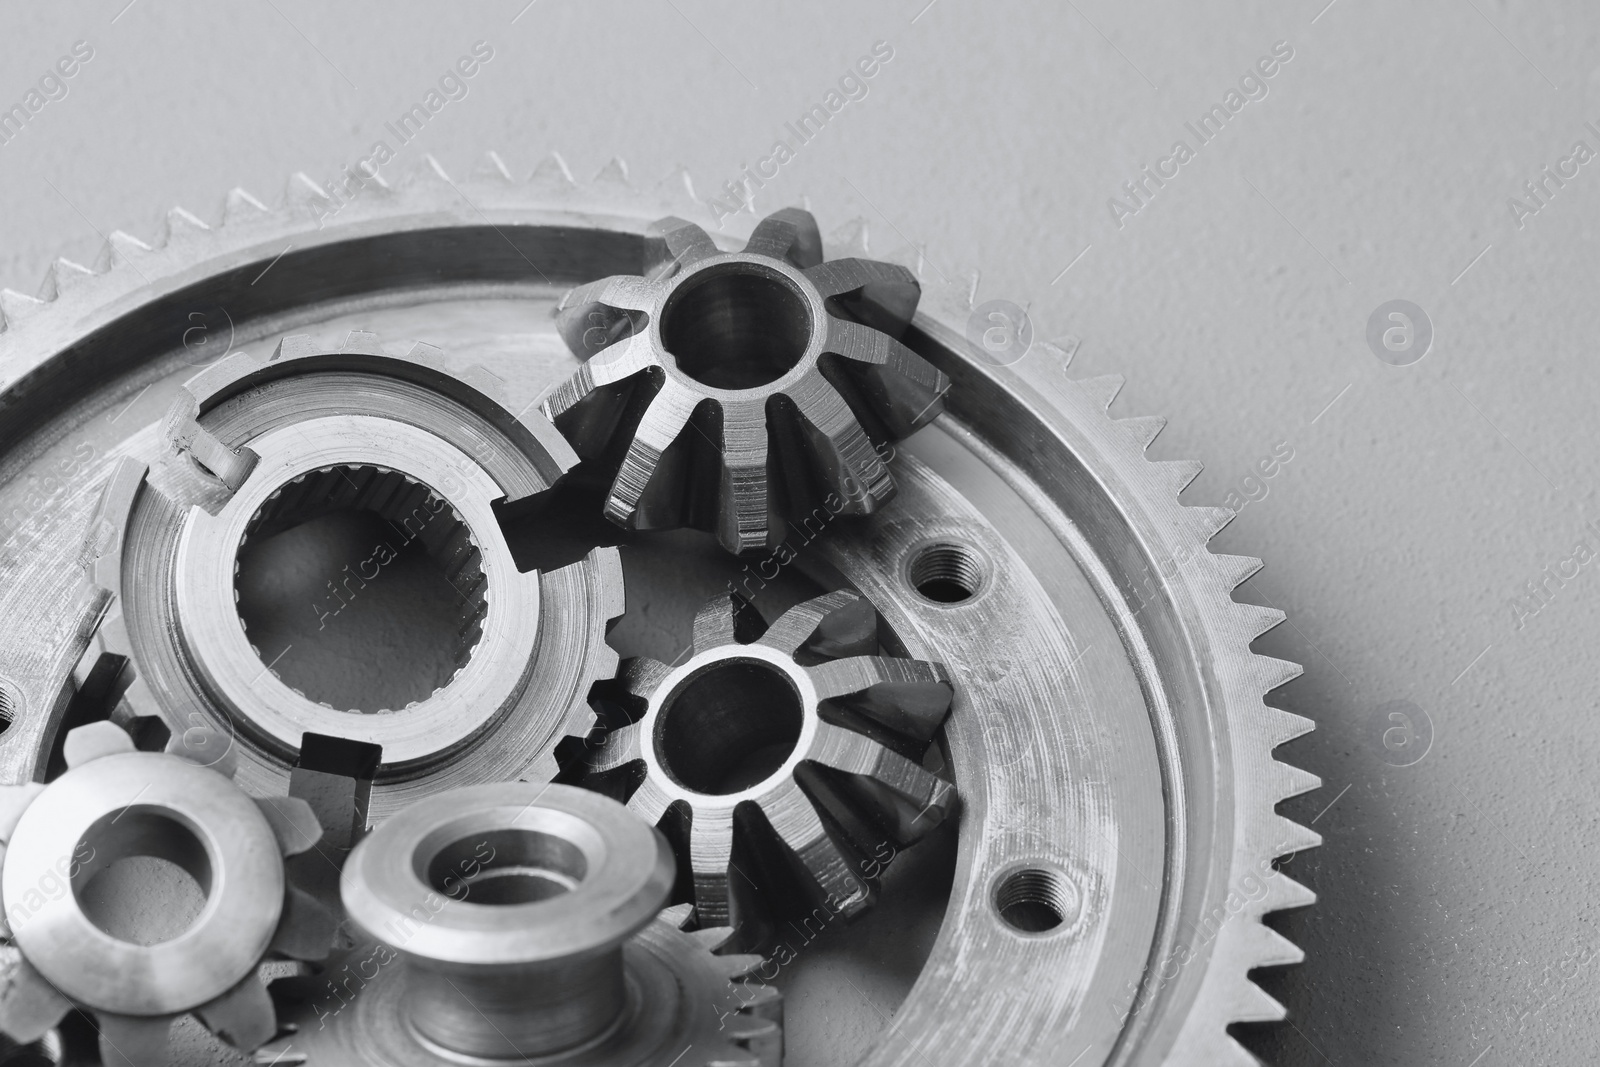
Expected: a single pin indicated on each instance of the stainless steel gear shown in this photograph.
(523, 923)
(796, 745)
(1117, 838)
(115, 803)
(257, 445)
(728, 390)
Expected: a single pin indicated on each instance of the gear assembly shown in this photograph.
(967, 776)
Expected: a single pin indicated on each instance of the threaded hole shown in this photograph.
(360, 588)
(947, 572)
(1034, 900)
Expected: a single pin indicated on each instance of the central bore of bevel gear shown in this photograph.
(732, 327)
(360, 587)
(729, 727)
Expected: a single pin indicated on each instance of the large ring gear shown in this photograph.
(901, 627)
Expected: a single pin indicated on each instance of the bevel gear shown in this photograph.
(115, 802)
(769, 374)
(798, 744)
(253, 446)
(522, 923)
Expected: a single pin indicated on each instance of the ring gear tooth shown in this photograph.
(248, 444)
(851, 786)
(294, 924)
(725, 436)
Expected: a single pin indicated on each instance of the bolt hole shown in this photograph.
(947, 573)
(1034, 900)
(8, 709)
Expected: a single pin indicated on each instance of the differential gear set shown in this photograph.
(690, 649)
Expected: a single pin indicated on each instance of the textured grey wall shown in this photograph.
(1455, 919)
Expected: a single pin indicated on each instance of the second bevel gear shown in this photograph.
(798, 744)
(730, 390)
(115, 803)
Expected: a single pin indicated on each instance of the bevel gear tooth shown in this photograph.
(1258, 620)
(95, 741)
(422, 172)
(1236, 570)
(551, 175)
(301, 192)
(29, 1005)
(243, 1016)
(1178, 473)
(1103, 389)
(135, 1041)
(674, 192)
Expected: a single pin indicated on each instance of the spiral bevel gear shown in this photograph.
(115, 802)
(796, 741)
(729, 390)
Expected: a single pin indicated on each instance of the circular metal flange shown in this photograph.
(256, 444)
(515, 922)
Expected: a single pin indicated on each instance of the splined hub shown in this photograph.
(259, 446)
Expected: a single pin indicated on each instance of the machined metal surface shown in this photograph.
(753, 355)
(1116, 837)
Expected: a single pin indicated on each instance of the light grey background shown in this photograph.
(1455, 924)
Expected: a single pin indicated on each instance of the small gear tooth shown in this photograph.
(307, 929)
(911, 697)
(614, 175)
(725, 620)
(712, 938)
(243, 1016)
(788, 234)
(675, 191)
(710, 855)
(240, 206)
(29, 1005)
(677, 916)
(1284, 892)
(96, 740)
(849, 240)
(135, 1040)
(206, 745)
(1103, 389)
(1291, 837)
(1143, 428)
(1258, 620)
(620, 748)
(123, 247)
(552, 175)
(1179, 473)
(62, 276)
(15, 306)
(738, 965)
(1236, 570)
(280, 1053)
(303, 192)
(491, 168)
(1270, 673)
(292, 821)
(836, 623)
(1253, 1005)
(795, 821)
(14, 800)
